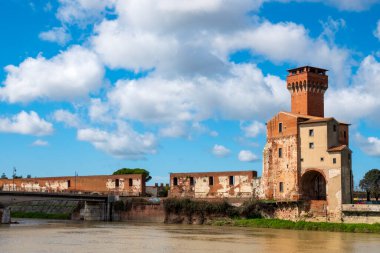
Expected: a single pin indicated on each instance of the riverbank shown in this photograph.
(299, 225)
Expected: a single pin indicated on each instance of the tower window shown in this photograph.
(210, 180)
(191, 181)
(232, 180)
(280, 127)
(311, 145)
(175, 181)
(334, 128)
(301, 159)
(280, 152)
(334, 160)
(311, 132)
(281, 186)
(344, 134)
(322, 159)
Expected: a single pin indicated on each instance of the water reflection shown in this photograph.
(52, 236)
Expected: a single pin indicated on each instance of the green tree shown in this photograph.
(3, 176)
(371, 184)
(28, 176)
(124, 171)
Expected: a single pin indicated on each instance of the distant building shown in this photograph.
(127, 185)
(307, 156)
(227, 184)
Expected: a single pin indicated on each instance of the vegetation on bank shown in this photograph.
(300, 225)
(40, 215)
(188, 207)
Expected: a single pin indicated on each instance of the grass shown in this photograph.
(39, 215)
(301, 225)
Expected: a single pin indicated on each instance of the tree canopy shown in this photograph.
(3, 176)
(124, 171)
(371, 183)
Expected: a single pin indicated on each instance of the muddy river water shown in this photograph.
(54, 236)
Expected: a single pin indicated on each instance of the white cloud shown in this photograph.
(174, 130)
(254, 129)
(377, 30)
(70, 119)
(56, 34)
(40, 143)
(220, 151)
(365, 87)
(123, 143)
(247, 156)
(346, 5)
(26, 123)
(240, 94)
(370, 145)
(71, 74)
(330, 28)
(83, 12)
(287, 42)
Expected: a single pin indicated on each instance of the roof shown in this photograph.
(337, 148)
(317, 120)
(301, 115)
(307, 66)
(311, 119)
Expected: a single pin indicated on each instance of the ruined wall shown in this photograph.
(130, 185)
(280, 170)
(213, 184)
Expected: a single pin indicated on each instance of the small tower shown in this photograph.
(307, 86)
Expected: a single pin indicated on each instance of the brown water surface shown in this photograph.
(52, 236)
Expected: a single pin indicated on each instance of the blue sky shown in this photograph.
(175, 85)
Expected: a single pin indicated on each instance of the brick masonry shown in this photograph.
(128, 185)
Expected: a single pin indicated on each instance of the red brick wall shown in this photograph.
(307, 92)
(89, 184)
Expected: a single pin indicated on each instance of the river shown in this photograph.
(58, 236)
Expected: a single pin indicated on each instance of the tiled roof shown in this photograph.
(337, 148)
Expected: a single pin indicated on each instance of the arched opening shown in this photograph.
(313, 186)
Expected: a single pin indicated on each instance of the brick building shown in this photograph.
(227, 184)
(307, 156)
(127, 185)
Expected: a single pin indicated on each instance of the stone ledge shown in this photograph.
(360, 208)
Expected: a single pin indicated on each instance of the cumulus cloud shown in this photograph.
(287, 42)
(40, 143)
(346, 5)
(56, 34)
(66, 117)
(71, 74)
(253, 129)
(26, 123)
(83, 12)
(365, 87)
(123, 143)
(247, 156)
(377, 30)
(220, 151)
(369, 145)
(240, 94)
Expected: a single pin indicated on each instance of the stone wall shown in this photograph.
(129, 185)
(228, 184)
(360, 213)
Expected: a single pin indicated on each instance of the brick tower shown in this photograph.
(307, 86)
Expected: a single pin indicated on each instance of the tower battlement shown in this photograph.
(307, 86)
